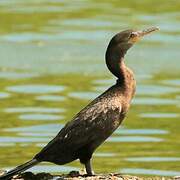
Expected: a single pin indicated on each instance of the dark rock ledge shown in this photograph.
(74, 175)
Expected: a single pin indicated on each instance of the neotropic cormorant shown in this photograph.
(98, 120)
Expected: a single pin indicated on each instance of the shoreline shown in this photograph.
(75, 175)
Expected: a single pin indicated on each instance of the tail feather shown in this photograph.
(19, 169)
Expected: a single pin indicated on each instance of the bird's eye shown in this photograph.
(133, 34)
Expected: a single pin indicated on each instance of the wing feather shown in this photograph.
(99, 118)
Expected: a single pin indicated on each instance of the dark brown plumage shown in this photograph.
(97, 121)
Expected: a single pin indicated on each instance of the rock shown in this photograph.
(31, 176)
(2, 172)
(177, 178)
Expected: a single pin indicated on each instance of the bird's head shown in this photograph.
(119, 45)
(124, 40)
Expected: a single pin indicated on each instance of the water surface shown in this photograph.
(52, 65)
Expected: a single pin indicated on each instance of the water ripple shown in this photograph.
(17, 75)
(43, 117)
(140, 131)
(49, 168)
(150, 172)
(36, 88)
(37, 134)
(33, 109)
(174, 82)
(4, 95)
(8, 139)
(159, 115)
(155, 89)
(154, 101)
(134, 139)
(153, 159)
(37, 128)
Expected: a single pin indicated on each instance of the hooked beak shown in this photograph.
(137, 35)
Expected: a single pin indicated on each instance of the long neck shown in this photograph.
(115, 62)
(125, 76)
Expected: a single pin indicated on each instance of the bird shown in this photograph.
(89, 128)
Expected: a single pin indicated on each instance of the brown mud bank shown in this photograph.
(76, 176)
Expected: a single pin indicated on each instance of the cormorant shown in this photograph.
(98, 120)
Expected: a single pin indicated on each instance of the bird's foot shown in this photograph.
(89, 175)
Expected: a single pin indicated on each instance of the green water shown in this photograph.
(52, 65)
